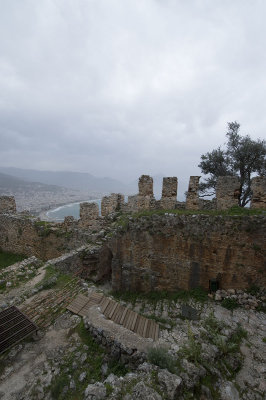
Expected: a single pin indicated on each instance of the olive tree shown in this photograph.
(242, 157)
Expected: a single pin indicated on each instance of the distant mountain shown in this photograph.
(12, 184)
(74, 180)
(37, 196)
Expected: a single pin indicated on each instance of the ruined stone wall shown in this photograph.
(186, 251)
(30, 236)
(227, 192)
(192, 200)
(132, 204)
(169, 193)
(7, 205)
(112, 203)
(258, 187)
(146, 200)
(89, 216)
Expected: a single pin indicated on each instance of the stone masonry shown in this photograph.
(258, 187)
(7, 205)
(146, 200)
(170, 252)
(192, 200)
(227, 192)
(169, 193)
(112, 203)
(89, 215)
(146, 186)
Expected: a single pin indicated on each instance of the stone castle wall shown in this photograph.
(192, 200)
(30, 236)
(227, 192)
(112, 203)
(258, 187)
(169, 193)
(89, 216)
(170, 252)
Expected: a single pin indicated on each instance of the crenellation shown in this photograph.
(112, 203)
(169, 193)
(227, 192)
(89, 215)
(7, 205)
(258, 187)
(192, 200)
(145, 199)
(146, 186)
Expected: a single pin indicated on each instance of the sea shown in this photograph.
(58, 214)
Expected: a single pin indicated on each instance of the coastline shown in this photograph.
(43, 213)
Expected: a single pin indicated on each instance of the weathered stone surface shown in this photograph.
(227, 192)
(142, 392)
(228, 391)
(89, 216)
(112, 203)
(186, 251)
(258, 187)
(7, 205)
(169, 193)
(170, 382)
(95, 392)
(145, 185)
(192, 200)
(30, 236)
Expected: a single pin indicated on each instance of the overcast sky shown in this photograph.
(119, 87)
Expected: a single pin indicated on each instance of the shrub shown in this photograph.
(230, 304)
(160, 357)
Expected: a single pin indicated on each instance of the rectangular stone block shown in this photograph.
(192, 200)
(89, 215)
(145, 185)
(227, 192)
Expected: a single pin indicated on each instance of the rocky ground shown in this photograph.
(216, 353)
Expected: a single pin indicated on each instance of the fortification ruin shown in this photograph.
(152, 251)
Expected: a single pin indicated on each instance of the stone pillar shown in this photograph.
(192, 200)
(169, 193)
(258, 187)
(146, 185)
(7, 205)
(227, 192)
(112, 203)
(146, 200)
(89, 215)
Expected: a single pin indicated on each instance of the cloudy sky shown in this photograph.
(119, 87)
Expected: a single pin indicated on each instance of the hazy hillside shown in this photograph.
(36, 196)
(74, 180)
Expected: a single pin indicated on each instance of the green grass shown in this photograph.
(196, 294)
(123, 220)
(54, 279)
(7, 258)
(238, 211)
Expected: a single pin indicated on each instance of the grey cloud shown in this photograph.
(123, 87)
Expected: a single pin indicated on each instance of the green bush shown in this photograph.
(7, 258)
(160, 357)
(230, 304)
(191, 351)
